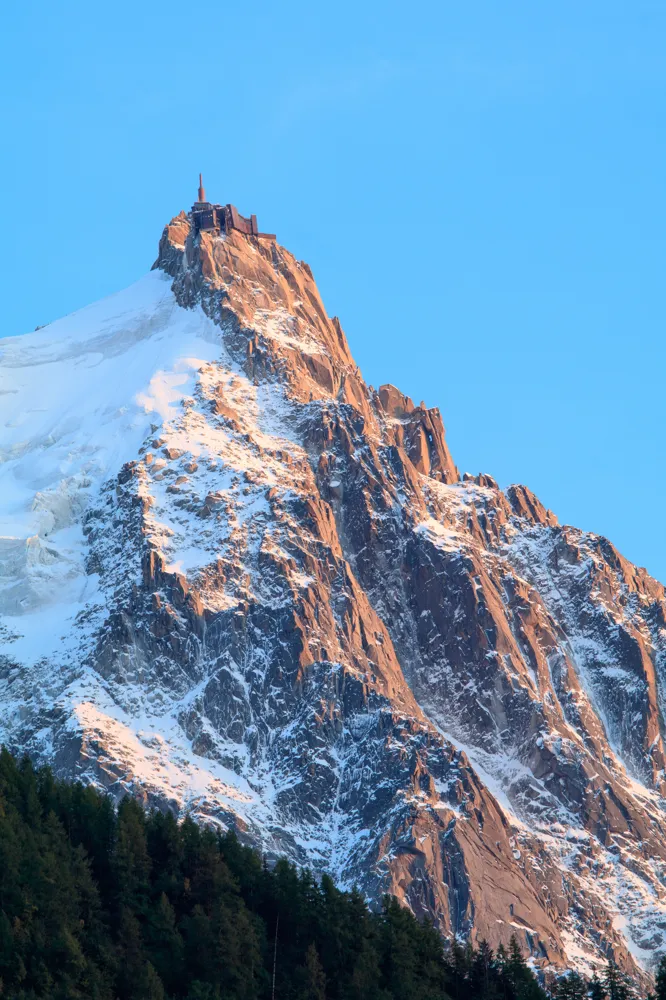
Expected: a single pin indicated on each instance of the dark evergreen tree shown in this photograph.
(517, 974)
(164, 943)
(400, 965)
(483, 973)
(570, 987)
(660, 981)
(597, 990)
(310, 977)
(130, 859)
(615, 984)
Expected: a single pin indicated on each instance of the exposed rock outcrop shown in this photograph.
(287, 612)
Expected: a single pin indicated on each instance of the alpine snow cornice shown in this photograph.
(236, 580)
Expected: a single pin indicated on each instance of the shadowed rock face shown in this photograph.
(306, 625)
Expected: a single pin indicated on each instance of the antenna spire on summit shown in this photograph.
(202, 193)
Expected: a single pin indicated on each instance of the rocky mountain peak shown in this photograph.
(238, 581)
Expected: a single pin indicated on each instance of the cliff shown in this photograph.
(239, 582)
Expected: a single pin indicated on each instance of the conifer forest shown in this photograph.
(102, 902)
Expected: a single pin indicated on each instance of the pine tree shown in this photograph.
(521, 978)
(361, 975)
(400, 959)
(460, 971)
(151, 985)
(164, 943)
(199, 946)
(483, 973)
(237, 955)
(660, 980)
(131, 959)
(164, 840)
(131, 861)
(571, 986)
(615, 983)
(312, 979)
(597, 990)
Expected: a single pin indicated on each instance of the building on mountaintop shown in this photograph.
(222, 218)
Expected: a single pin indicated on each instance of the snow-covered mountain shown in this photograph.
(236, 580)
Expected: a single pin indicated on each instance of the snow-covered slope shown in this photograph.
(76, 398)
(240, 582)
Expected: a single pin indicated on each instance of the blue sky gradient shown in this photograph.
(479, 189)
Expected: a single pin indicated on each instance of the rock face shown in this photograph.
(238, 581)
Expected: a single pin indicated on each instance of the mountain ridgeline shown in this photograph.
(241, 584)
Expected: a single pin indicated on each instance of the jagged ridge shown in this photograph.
(281, 608)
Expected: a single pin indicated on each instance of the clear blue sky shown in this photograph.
(480, 189)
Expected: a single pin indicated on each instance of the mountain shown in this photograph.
(239, 582)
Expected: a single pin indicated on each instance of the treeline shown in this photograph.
(124, 905)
